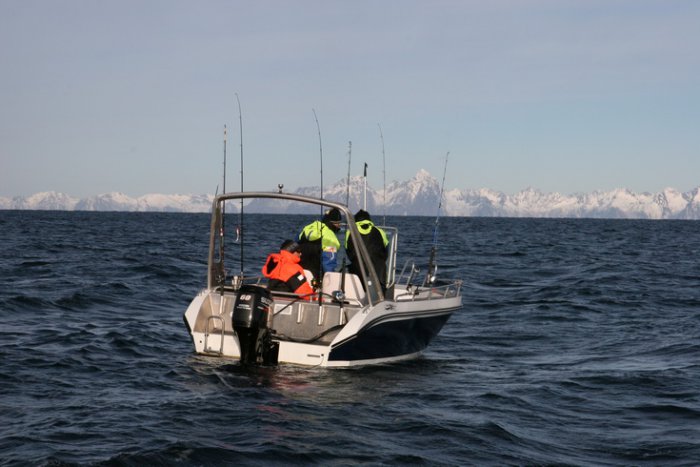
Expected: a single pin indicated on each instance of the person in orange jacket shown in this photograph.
(285, 273)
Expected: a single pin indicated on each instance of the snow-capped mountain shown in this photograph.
(418, 196)
(110, 202)
(150, 202)
(47, 200)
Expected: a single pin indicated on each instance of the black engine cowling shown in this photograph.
(252, 323)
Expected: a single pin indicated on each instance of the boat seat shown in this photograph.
(353, 285)
(309, 275)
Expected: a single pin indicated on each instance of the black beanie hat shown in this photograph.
(362, 215)
(332, 216)
(290, 245)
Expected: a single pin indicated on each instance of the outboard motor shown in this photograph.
(252, 323)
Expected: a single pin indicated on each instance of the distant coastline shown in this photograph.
(418, 196)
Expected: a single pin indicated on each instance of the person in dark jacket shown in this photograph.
(284, 271)
(319, 244)
(375, 241)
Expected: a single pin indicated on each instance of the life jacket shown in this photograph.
(376, 242)
(285, 273)
(365, 227)
(318, 230)
(319, 246)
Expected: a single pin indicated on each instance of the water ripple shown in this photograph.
(576, 345)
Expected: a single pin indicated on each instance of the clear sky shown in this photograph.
(561, 95)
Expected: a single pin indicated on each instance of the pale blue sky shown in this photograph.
(131, 96)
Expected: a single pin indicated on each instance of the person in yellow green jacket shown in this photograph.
(319, 244)
(375, 241)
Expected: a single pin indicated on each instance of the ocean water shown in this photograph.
(578, 344)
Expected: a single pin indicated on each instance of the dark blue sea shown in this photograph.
(578, 344)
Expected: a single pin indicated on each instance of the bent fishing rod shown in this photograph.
(320, 150)
(239, 229)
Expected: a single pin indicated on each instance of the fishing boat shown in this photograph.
(350, 319)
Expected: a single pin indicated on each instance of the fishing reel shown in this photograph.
(432, 275)
(237, 282)
(414, 272)
(338, 295)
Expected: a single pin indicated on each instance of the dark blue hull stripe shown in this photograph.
(390, 338)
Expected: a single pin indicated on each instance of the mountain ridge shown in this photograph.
(418, 196)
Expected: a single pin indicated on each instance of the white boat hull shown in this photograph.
(388, 331)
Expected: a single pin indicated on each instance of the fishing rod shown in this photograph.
(381, 136)
(224, 181)
(432, 267)
(222, 272)
(364, 204)
(340, 296)
(240, 214)
(223, 212)
(320, 148)
(347, 187)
